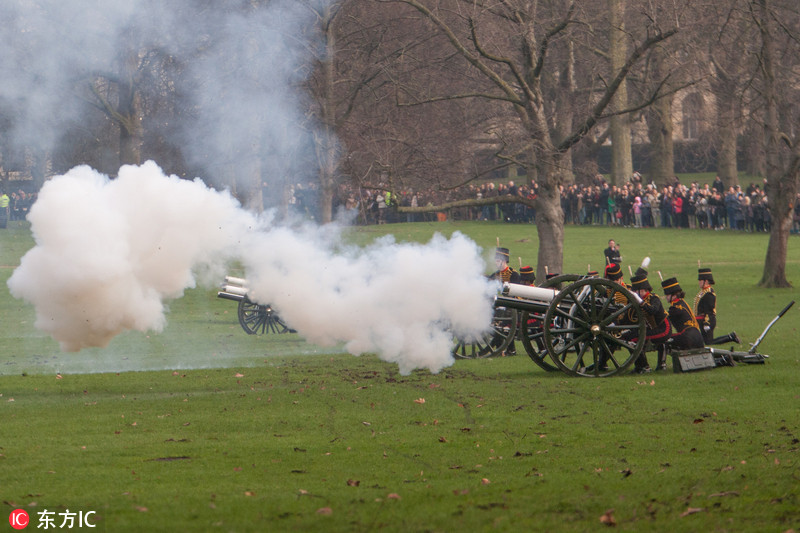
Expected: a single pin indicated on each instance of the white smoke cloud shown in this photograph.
(110, 255)
(403, 301)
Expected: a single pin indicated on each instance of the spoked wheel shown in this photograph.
(257, 319)
(531, 327)
(492, 342)
(587, 326)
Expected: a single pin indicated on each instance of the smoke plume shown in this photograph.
(111, 254)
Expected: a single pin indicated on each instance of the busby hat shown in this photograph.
(552, 275)
(501, 253)
(640, 283)
(613, 271)
(527, 273)
(705, 274)
(593, 273)
(671, 286)
(642, 270)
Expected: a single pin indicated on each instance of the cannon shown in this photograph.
(592, 327)
(582, 329)
(255, 318)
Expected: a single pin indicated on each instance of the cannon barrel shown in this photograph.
(233, 289)
(530, 293)
(229, 296)
(532, 306)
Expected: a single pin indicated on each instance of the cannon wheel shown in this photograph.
(492, 342)
(583, 326)
(257, 319)
(531, 329)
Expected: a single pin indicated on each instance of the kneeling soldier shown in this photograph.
(705, 310)
(658, 329)
(687, 334)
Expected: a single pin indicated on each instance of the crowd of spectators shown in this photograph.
(15, 206)
(634, 204)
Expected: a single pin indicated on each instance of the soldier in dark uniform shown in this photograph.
(687, 332)
(658, 328)
(527, 276)
(613, 272)
(504, 273)
(705, 310)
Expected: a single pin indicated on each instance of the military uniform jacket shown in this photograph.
(705, 308)
(687, 330)
(657, 329)
(509, 275)
(654, 313)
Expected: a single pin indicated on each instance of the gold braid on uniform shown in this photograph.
(692, 322)
(700, 297)
(650, 319)
(505, 275)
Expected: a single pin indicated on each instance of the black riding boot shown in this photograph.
(725, 339)
(662, 358)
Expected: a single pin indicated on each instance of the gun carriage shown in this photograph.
(255, 318)
(591, 327)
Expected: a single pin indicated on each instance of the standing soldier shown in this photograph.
(705, 310)
(504, 273)
(687, 334)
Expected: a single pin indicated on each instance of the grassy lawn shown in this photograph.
(204, 428)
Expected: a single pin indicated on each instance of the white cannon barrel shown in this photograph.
(530, 293)
(240, 291)
(230, 280)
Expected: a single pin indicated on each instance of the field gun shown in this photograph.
(591, 327)
(255, 318)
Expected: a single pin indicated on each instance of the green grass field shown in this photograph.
(203, 428)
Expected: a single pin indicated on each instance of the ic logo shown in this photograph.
(18, 519)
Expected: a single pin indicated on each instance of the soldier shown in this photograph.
(527, 276)
(613, 272)
(705, 310)
(658, 328)
(681, 317)
(504, 273)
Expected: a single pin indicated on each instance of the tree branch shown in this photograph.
(605, 100)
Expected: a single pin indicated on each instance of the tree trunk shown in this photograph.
(327, 156)
(565, 111)
(781, 175)
(550, 230)
(130, 112)
(550, 217)
(621, 156)
(726, 130)
(659, 131)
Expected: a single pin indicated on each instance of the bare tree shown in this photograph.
(620, 128)
(779, 35)
(502, 51)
